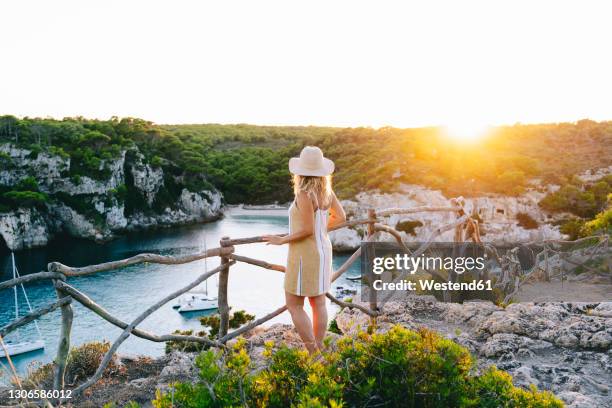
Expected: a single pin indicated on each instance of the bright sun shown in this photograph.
(466, 131)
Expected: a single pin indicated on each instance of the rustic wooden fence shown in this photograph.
(464, 226)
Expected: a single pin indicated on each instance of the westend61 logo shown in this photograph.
(435, 269)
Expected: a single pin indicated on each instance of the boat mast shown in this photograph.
(16, 274)
(15, 290)
(15, 287)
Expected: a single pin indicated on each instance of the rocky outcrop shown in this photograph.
(147, 179)
(48, 168)
(24, 228)
(89, 208)
(561, 347)
(191, 208)
(84, 185)
(77, 225)
(498, 214)
(594, 175)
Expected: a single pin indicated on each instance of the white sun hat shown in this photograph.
(311, 163)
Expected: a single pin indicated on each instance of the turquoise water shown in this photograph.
(129, 291)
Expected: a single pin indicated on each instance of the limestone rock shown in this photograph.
(23, 228)
(345, 239)
(498, 214)
(180, 366)
(102, 213)
(24, 163)
(577, 400)
(147, 179)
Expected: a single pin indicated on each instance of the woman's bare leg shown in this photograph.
(301, 321)
(319, 317)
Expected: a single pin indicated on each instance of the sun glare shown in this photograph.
(466, 132)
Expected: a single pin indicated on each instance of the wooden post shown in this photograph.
(546, 266)
(458, 238)
(63, 348)
(371, 231)
(222, 295)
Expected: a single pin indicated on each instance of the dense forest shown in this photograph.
(249, 163)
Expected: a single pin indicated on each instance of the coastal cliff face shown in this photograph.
(497, 216)
(133, 194)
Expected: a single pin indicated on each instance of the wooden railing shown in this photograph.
(66, 293)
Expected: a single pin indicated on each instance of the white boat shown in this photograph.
(195, 301)
(14, 348)
(21, 347)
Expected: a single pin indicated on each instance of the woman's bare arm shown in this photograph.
(305, 211)
(338, 216)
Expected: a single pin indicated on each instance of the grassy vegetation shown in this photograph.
(24, 195)
(83, 361)
(211, 325)
(590, 204)
(584, 200)
(249, 163)
(397, 368)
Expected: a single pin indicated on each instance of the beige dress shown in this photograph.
(309, 262)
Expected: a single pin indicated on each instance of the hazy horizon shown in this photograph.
(297, 125)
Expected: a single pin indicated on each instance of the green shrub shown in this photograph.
(601, 223)
(212, 324)
(35, 150)
(224, 381)
(493, 389)
(584, 202)
(397, 368)
(6, 159)
(333, 327)
(237, 319)
(574, 228)
(526, 221)
(402, 365)
(408, 226)
(27, 184)
(83, 361)
(25, 199)
(39, 378)
(157, 161)
(58, 151)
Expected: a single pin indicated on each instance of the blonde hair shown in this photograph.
(321, 187)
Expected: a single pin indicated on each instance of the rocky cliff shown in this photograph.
(133, 194)
(497, 215)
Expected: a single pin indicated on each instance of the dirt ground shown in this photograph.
(564, 292)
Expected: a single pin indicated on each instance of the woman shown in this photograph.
(314, 210)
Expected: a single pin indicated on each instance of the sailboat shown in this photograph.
(197, 300)
(14, 348)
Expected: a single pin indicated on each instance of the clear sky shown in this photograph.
(345, 63)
